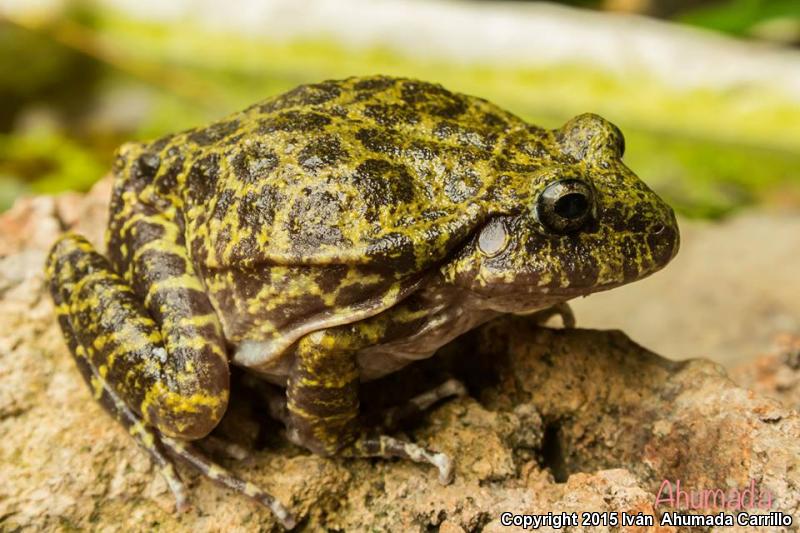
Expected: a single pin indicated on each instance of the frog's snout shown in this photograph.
(664, 240)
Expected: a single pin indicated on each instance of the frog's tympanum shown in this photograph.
(332, 235)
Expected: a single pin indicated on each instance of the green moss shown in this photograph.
(740, 16)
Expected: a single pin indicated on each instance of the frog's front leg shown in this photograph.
(323, 404)
(168, 383)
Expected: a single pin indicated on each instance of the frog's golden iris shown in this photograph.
(332, 235)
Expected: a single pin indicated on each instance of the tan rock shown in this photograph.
(775, 374)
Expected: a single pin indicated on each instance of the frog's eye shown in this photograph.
(565, 206)
(493, 238)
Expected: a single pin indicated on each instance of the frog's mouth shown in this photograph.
(526, 299)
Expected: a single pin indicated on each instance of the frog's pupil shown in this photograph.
(571, 206)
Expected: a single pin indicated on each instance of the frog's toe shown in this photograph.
(567, 315)
(217, 473)
(386, 447)
(176, 487)
(449, 389)
(392, 417)
(446, 468)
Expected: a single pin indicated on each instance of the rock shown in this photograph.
(775, 374)
(561, 421)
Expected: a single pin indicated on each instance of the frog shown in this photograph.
(330, 236)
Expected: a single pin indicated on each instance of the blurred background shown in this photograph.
(707, 93)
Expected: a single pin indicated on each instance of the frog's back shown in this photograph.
(376, 170)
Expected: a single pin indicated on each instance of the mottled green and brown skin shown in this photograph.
(332, 235)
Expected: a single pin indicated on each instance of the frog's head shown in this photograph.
(580, 222)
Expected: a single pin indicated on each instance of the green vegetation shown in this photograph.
(101, 80)
(747, 17)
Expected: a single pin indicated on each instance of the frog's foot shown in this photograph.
(158, 446)
(148, 439)
(394, 416)
(386, 447)
(215, 472)
(560, 309)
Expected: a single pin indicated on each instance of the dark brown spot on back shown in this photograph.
(213, 133)
(321, 152)
(313, 221)
(464, 136)
(433, 99)
(422, 150)
(378, 83)
(252, 163)
(201, 181)
(391, 115)
(382, 184)
(223, 203)
(257, 209)
(494, 121)
(380, 141)
(293, 121)
(304, 95)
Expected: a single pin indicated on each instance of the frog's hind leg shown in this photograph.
(118, 349)
(84, 356)
(181, 391)
(158, 446)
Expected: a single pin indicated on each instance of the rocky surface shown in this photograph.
(775, 374)
(555, 420)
